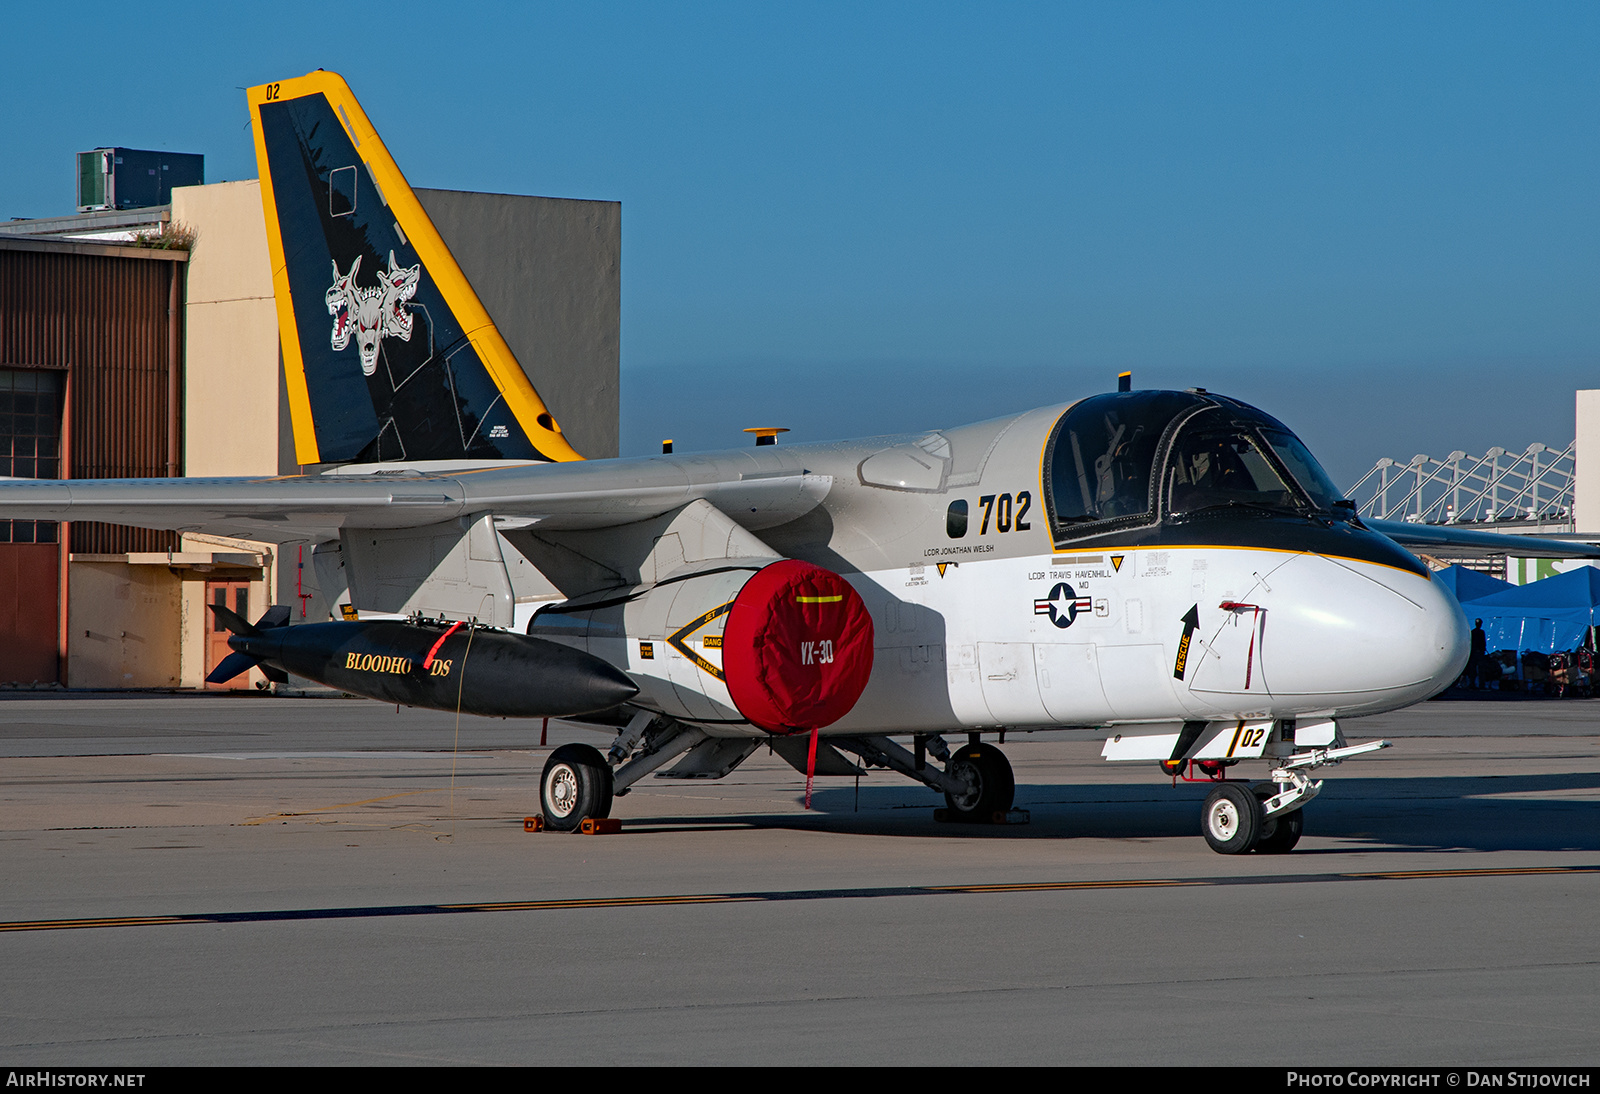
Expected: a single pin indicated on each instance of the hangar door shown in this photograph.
(30, 559)
(235, 596)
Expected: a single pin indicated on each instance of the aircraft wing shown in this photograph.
(1455, 540)
(555, 496)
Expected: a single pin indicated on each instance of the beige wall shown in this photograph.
(125, 626)
(192, 651)
(1586, 464)
(230, 416)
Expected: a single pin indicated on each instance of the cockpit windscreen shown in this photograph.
(1113, 459)
(1304, 467)
(1231, 456)
(1220, 467)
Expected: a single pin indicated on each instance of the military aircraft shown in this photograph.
(1171, 567)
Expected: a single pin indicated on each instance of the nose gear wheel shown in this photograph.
(1231, 819)
(1279, 834)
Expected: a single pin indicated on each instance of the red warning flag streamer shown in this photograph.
(811, 765)
(1258, 619)
(427, 662)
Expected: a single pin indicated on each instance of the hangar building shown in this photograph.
(125, 360)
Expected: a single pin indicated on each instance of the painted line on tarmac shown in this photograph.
(593, 903)
(249, 821)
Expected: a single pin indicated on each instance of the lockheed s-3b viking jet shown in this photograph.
(1172, 567)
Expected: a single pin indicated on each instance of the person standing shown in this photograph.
(1480, 650)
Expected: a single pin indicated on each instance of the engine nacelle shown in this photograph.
(784, 646)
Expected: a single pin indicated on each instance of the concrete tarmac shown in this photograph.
(320, 881)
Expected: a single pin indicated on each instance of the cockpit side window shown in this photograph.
(1100, 459)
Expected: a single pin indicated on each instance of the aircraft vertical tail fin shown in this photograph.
(388, 352)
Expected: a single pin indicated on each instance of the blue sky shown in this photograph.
(1378, 221)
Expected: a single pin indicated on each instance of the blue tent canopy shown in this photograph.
(1548, 616)
(1469, 584)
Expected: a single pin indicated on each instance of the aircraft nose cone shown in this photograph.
(1361, 638)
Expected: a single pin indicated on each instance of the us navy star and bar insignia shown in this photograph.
(1062, 605)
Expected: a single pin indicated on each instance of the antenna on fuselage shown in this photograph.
(1124, 381)
(767, 434)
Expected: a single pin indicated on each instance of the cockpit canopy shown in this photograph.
(1128, 459)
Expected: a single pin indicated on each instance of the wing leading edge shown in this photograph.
(1450, 539)
(575, 495)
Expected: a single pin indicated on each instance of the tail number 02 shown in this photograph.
(817, 653)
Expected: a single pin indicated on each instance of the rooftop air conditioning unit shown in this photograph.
(131, 178)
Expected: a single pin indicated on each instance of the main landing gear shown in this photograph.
(576, 784)
(976, 781)
(987, 784)
(579, 782)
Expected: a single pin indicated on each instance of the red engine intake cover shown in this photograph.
(797, 649)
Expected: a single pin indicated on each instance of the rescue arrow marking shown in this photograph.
(1190, 622)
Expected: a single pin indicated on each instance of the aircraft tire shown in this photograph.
(1281, 833)
(1231, 819)
(576, 783)
(993, 786)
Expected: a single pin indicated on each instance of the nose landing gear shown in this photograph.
(1266, 817)
(1231, 819)
(1281, 833)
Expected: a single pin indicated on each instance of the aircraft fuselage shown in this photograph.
(997, 619)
